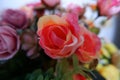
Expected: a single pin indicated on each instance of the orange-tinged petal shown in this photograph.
(91, 45)
(50, 20)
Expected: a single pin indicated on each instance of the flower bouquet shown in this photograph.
(45, 41)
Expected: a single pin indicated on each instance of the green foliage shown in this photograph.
(65, 69)
(21, 68)
(95, 30)
(61, 68)
(18, 67)
(39, 75)
(75, 61)
(13, 69)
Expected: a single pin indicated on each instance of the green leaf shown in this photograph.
(28, 76)
(38, 71)
(95, 30)
(35, 74)
(47, 77)
(50, 71)
(40, 77)
(84, 71)
(58, 71)
(75, 61)
(61, 67)
(49, 74)
(68, 75)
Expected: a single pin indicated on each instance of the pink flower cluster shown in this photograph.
(9, 39)
(11, 21)
(61, 37)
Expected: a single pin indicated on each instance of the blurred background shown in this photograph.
(110, 31)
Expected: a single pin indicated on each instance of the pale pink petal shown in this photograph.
(72, 19)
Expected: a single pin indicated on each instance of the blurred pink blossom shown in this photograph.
(29, 43)
(16, 18)
(75, 9)
(9, 42)
(34, 9)
(88, 51)
(28, 11)
(108, 7)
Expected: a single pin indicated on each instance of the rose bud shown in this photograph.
(29, 43)
(16, 18)
(88, 51)
(108, 7)
(59, 36)
(76, 9)
(78, 77)
(51, 3)
(9, 42)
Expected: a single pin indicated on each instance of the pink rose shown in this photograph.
(59, 36)
(78, 77)
(91, 45)
(108, 7)
(76, 9)
(9, 42)
(16, 18)
(2, 23)
(51, 3)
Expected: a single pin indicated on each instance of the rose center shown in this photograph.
(59, 32)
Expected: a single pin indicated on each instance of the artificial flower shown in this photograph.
(28, 10)
(16, 18)
(78, 77)
(76, 9)
(59, 36)
(90, 47)
(9, 42)
(108, 7)
(29, 42)
(38, 8)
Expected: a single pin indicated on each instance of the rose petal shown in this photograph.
(56, 40)
(72, 19)
(91, 45)
(50, 20)
(78, 77)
